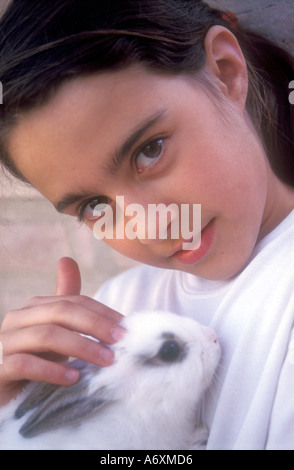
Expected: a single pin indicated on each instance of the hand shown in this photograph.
(36, 338)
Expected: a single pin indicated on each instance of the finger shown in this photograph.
(58, 340)
(68, 277)
(54, 357)
(82, 300)
(71, 315)
(21, 367)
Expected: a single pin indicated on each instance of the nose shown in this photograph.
(154, 222)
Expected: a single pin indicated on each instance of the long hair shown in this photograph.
(45, 43)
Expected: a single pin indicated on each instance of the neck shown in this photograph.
(279, 204)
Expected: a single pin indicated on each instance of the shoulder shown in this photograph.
(275, 253)
(281, 431)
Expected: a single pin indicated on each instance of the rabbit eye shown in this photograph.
(170, 351)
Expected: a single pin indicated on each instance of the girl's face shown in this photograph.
(153, 139)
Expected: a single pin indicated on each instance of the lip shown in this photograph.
(193, 256)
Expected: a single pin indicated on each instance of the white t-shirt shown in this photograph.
(250, 404)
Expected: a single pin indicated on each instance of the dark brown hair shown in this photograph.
(44, 43)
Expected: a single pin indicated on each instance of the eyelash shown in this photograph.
(144, 147)
(105, 200)
(82, 209)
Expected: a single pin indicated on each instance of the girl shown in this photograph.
(161, 102)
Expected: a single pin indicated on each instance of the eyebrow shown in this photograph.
(68, 200)
(117, 158)
(136, 135)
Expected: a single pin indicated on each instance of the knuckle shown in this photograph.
(19, 363)
(98, 326)
(102, 328)
(36, 300)
(9, 320)
(83, 299)
(89, 347)
(57, 310)
(46, 335)
(63, 306)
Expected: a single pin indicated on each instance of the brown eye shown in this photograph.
(148, 154)
(94, 209)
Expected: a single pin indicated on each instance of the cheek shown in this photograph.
(232, 174)
(133, 250)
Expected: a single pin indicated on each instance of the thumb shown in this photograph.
(68, 277)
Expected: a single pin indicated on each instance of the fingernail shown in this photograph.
(72, 375)
(118, 333)
(107, 355)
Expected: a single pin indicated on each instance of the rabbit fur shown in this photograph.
(148, 399)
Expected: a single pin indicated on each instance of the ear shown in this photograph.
(60, 406)
(226, 62)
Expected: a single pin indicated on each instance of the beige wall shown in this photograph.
(33, 236)
(274, 18)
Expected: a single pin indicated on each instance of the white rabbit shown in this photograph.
(148, 399)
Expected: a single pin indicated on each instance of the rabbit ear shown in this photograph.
(62, 405)
(41, 391)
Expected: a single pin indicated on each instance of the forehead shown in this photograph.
(61, 145)
(105, 103)
(108, 92)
